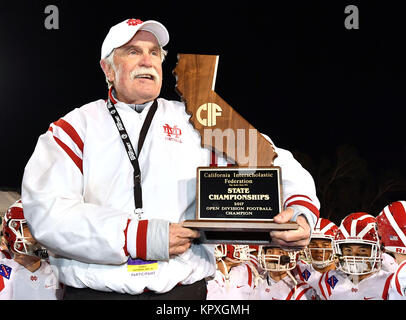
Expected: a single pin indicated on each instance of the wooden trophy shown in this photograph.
(234, 204)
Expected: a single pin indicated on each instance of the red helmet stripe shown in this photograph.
(394, 224)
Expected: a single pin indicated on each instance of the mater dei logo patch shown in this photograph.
(172, 133)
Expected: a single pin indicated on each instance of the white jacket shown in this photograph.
(78, 198)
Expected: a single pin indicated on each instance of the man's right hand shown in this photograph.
(180, 238)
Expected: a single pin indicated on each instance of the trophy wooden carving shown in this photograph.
(246, 216)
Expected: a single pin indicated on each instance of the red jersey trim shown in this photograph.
(327, 285)
(302, 293)
(321, 286)
(308, 205)
(294, 290)
(397, 278)
(71, 132)
(111, 96)
(69, 152)
(297, 195)
(142, 239)
(1, 283)
(249, 275)
(386, 288)
(299, 272)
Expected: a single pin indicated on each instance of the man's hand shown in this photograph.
(180, 238)
(291, 238)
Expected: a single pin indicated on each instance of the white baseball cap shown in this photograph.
(123, 32)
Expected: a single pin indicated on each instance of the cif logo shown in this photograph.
(212, 111)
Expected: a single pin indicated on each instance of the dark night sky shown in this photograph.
(292, 70)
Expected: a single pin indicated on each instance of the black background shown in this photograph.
(334, 97)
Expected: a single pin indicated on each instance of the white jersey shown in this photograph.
(308, 274)
(397, 290)
(311, 276)
(389, 263)
(336, 285)
(78, 197)
(284, 289)
(216, 286)
(7, 270)
(22, 284)
(238, 285)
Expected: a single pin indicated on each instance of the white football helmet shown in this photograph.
(16, 239)
(220, 251)
(243, 252)
(318, 254)
(391, 224)
(358, 229)
(281, 260)
(236, 253)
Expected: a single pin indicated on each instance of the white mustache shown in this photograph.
(142, 71)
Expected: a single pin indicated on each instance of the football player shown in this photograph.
(358, 274)
(281, 281)
(392, 232)
(236, 273)
(320, 249)
(25, 274)
(319, 254)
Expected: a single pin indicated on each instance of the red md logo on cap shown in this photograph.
(134, 22)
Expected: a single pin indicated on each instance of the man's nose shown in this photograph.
(146, 60)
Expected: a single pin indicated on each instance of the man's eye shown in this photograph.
(134, 51)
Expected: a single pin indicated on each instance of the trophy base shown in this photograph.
(237, 232)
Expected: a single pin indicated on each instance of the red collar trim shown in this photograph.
(111, 95)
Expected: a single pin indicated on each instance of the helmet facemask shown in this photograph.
(356, 264)
(22, 240)
(220, 251)
(357, 245)
(243, 252)
(320, 252)
(278, 261)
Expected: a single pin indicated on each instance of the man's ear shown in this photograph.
(108, 70)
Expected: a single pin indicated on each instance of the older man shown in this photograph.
(106, 190)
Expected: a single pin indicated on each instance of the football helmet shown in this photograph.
(236, 253)
(243, 252)
(278, 261)
(322, 256)
(391, 224)
(220, 251)
(358, 229)
(13, 230)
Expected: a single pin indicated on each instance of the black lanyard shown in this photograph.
(130, 150)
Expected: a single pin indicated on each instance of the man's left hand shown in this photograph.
(298, 238)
